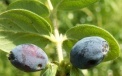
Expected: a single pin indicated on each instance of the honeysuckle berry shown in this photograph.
(88, 52)
(28, 57)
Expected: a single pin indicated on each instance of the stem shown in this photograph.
(59, 51)
(58, 38)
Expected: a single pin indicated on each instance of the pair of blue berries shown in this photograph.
(86, 53)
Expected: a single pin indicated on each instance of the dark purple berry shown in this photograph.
(88, 52)
(28, 58)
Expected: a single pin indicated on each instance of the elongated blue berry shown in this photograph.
(88, 52)
(28, 57)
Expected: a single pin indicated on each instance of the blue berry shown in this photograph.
(88, 52)
(28, 58)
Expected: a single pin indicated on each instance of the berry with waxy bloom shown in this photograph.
(88, 52)
(28, 57)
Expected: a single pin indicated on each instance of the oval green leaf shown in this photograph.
(9, 40)
(22, 26)
(20, 20)
(84, 30)
(74, 4)
(31, 5)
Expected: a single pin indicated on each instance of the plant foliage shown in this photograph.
(31, 21)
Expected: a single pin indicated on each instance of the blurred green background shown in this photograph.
(105, 13)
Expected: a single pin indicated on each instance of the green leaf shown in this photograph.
(24, 21)
(75, 72)
(84, 30)
(74, 4)
(50, 71)
(31, 5)
(22, 26)
(8, 40)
